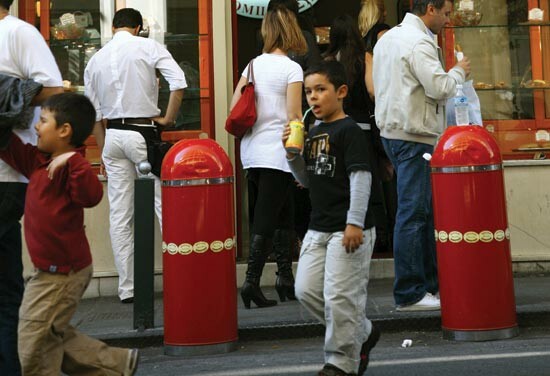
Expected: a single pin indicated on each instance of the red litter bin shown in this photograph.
(472, 236)
(198, 231)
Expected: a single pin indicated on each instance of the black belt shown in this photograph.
(149, 133)
(132, 121)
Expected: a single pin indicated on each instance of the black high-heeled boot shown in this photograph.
(284, 284)
(256, 260)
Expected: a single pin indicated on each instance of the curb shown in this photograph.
(308, 329)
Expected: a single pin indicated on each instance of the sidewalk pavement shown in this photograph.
(111, 321)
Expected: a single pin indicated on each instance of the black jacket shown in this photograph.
(15, 98)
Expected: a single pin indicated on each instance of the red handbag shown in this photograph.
(243, 116)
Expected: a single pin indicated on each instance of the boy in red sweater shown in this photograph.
(61, 184)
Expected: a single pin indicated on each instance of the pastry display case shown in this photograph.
(508, 43)
(76, 29)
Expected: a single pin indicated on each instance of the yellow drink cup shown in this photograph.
(295, 142)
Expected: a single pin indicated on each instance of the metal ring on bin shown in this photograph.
(206, 181)
(463, 169)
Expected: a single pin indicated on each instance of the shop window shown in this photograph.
(510, 70)
(76, 29)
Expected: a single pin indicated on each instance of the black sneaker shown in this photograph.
(331, 370)
(366, 348)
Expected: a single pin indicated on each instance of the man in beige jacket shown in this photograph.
(411, 88)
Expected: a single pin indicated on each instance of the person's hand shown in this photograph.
(286, 135)
(102, 170)
(163, 121)
(465, 64)
(58, 162)
(353, 238)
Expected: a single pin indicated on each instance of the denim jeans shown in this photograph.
(414, 241)
(12, 199)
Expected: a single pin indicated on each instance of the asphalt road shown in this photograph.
(527, 354)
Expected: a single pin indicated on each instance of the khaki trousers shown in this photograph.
(332, 285)
(48, 344)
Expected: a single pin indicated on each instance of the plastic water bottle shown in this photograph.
(461, 107)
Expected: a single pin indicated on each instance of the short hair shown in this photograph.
(291, 5)
(127, 17)
(6, 4)
(333, 70)
(420, 7)
(280, 30)
(76, 110)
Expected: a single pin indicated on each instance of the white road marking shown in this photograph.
(298, 369)
(462, 358)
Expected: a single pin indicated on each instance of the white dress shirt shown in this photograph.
(120, 78)
(25, 54)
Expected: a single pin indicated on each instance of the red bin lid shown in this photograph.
(469, 145)
(196, 159)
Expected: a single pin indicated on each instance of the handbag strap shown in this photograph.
(250, 73)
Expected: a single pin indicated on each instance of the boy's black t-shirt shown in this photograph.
(333, 151)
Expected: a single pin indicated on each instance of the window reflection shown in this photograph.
(181, 39)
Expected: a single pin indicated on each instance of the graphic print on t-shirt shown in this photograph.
(319, 160)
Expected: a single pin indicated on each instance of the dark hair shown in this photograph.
(291, 5)
(76, 110)
(6, 4)
(346, 41)
(420, 7)
(332, 70)
(127, 17)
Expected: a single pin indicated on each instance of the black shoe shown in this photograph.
(127, 300)
(331, 370)
(282, 247)
(284, 284)
(259, 247)
(366, 348)
(251, 291)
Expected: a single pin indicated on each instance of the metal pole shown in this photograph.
(144, 246)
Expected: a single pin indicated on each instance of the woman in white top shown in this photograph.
(278, 88)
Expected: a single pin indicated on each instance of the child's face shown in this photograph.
(326, 100)
(50, 136)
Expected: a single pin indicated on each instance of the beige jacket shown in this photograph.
(411, 87)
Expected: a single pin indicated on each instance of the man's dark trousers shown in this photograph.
(12, 201)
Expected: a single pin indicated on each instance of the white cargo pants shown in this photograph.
(332, 285)
(123, 151)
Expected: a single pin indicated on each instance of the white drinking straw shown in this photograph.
(306, 113)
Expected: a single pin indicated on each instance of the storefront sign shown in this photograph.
(257, 8)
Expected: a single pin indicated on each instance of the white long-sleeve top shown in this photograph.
(120, 78)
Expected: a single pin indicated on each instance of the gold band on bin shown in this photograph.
(472, 236)
(185, 249)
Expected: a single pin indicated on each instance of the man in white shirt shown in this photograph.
(120, 81)
(24, 55)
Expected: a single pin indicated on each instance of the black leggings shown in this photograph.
(271, 200)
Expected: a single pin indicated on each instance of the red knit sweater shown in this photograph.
(54, 215)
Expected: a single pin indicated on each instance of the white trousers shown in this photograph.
(332, 285)
(123, 151)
